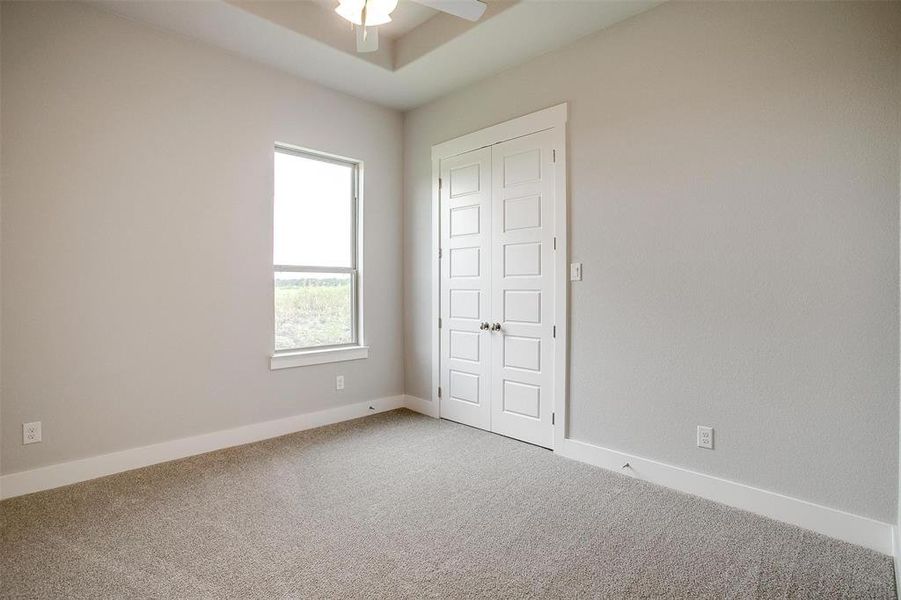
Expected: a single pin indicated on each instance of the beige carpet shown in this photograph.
(402, 506)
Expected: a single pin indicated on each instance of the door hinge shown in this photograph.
(553, 418)
(554, 155)
(555, 331)
(555, 243)
(439, 322)
(440, 183)
(440, 253)
(439, 391)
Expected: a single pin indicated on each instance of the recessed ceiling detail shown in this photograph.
(367, 15)
(422, 53)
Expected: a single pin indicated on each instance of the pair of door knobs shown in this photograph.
(490, 326)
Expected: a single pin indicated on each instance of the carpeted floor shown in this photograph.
(402, 506)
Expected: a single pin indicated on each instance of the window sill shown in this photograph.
(287, 360)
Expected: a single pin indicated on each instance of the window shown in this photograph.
(316, 277)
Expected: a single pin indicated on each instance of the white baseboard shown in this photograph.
(426, 407)
(45, 478)
(863, 531)
(848, 527)
(896, 547)
(828, 521)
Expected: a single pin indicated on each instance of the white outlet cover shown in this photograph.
(705, 437)
(339, 382)
(31, 432)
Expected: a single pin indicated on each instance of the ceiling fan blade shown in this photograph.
(368, 41)
(471, 10)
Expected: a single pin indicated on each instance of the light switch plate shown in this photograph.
(575, 272)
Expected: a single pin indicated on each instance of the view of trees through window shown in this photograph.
(314, 251)
(312, 311)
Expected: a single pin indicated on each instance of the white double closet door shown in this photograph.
(497, 288)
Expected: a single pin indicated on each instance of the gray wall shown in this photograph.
(734, 184)
(137, 244)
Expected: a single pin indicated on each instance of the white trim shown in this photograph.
(436, 281)
(45, 478)
(828, 521)
(426, 407)
(554, 117)
(896, 553)
(561, 287)
(305, 358)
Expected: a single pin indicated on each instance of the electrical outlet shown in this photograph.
(31, 432)
(705, 437)
(339, 382)
(575, 272)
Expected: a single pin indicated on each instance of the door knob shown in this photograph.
(483, 326)
(496, 327)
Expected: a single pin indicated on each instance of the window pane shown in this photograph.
(312, 309)
(313, 220)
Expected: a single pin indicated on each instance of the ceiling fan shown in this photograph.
(367, 14)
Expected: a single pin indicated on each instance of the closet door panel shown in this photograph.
(465, 217)
(522, 288)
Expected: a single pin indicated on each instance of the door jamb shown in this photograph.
(555, 118)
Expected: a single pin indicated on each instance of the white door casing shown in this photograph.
(497, 288)
(510, 366)
(522, 288)
(465, 204)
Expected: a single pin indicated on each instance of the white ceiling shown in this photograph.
(424, 54)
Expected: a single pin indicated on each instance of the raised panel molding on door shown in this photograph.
(465, 207)
(500, 281)
(522, 288)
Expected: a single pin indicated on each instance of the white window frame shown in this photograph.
(356, 349)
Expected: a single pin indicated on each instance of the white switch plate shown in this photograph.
(575, 272)
(31, 432)
(705, 437)
(339, 382)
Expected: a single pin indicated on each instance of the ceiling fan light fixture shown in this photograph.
(378, 12)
